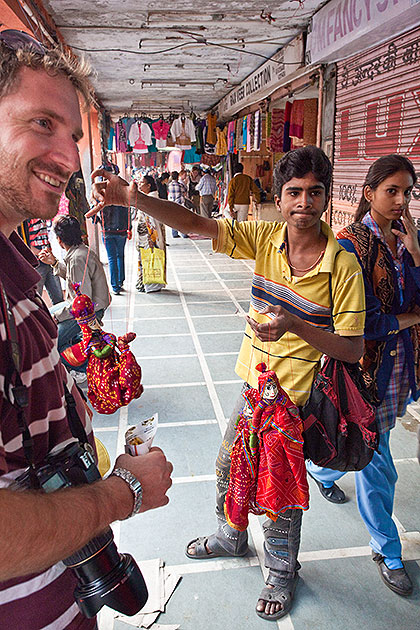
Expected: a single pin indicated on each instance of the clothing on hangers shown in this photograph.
(183, 133)
(140, 137)
(161, 129)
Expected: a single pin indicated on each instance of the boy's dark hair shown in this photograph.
(300, 162)
(151, 181)
(175, 175)
(239, 168)
(381, 169)
(67, 229)
(164, 175)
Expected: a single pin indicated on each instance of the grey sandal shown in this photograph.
(217, 551)
(280, 594)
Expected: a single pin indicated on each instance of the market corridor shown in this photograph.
(188, 337)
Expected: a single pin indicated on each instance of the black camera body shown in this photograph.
(73, 466)
(105, 576)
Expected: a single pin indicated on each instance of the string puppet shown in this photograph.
(113, 374)
(268, 472)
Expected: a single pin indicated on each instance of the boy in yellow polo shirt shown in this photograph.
(288, 327)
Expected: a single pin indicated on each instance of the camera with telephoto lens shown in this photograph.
(105, 577)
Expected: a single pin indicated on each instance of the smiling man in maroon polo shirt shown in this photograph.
(40, 127)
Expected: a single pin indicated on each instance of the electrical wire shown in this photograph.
(131, 52)
(204, 43)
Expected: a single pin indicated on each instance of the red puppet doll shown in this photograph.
(113, 374)
(275, 448)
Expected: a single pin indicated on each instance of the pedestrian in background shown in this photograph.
(384, 239)
(240, 189)
(176, 193)
(207, 187)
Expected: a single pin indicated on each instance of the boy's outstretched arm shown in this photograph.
(116, 191)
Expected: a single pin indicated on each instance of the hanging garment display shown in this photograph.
(244, 132)
(111, 139)
(199, 135)
(257, 130)
(183, 132)
(286, 135)
(267, 126)
(275, 139)
(296, 120)
(221, 144)
(231, 136)
(310, 116)
(210, 160)
(239, 135)
(296, 124)
(249, 132)
(211, 137)
(191, 156)
(129, 122)
(140, 137)
(121, 136)
(161, 130)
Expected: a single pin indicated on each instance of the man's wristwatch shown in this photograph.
(135, 487)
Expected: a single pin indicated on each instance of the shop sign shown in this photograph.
(346, 27)
(265, 80)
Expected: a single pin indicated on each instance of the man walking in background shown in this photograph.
(176, 193)
(240, 189)
(206, 187)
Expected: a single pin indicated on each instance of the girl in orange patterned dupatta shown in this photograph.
(113, 374)
(275, 450)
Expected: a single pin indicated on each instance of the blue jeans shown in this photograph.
(175, 233)
(375, 487)
(114, 245)
(50, 282)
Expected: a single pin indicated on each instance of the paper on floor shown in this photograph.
(160, 584)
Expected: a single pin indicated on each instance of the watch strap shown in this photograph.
(135, 487)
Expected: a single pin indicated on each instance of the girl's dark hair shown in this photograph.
(300, 162)
(381, 169)
(67, 228)
(151, 181)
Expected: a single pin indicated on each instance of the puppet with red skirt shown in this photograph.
(275, 448)
(113, 374)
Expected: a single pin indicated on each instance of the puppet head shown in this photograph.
(268, 385)
(83, 309)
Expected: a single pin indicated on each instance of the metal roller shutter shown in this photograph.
(377, 112)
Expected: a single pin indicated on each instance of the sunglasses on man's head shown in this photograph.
(15, 40)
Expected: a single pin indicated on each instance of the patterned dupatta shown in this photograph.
(374, 257)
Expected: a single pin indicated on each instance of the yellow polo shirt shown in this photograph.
(294, 360)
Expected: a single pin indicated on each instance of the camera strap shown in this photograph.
(75, 424)
(20, 392)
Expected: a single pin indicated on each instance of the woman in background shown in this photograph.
(150, 234)
(384, 239)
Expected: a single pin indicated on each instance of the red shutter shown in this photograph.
(377, 112)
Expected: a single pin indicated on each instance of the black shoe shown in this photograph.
(395, 579)
(333, 494)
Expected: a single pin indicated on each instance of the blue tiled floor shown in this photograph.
(340, 587)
